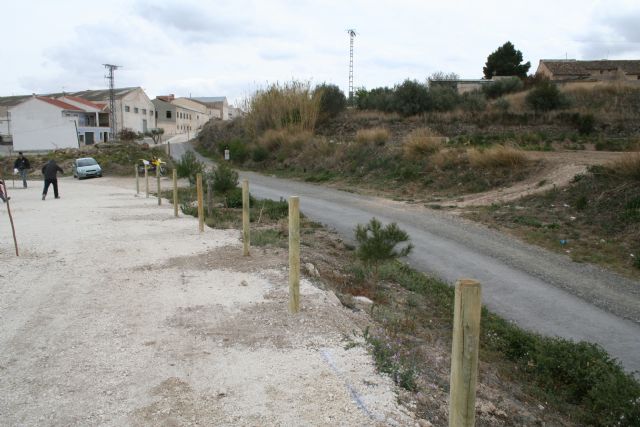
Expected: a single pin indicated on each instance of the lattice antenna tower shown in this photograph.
(112, 99)
(352, 35)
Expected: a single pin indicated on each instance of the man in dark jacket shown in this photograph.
(22, 165)
(50, 171)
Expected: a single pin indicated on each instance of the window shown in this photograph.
(151, 112)
(168, 114)
(144, 111)
(126, 109)
(135, 110)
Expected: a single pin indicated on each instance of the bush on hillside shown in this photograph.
(189, 166)
(292, 106)
(421, 142)
(224, 178)
(546, 97)
(496, 157)
(378, 136)
(410, 98)
(332, 101)
(473, 102)
(502, 87)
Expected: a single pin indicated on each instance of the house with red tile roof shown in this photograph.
(42, 123)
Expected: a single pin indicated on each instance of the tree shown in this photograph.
(155, 134)
(377, 244)
(506, 61)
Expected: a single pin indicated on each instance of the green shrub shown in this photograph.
(546, 97)
(502, 87)
(377, 244)
(442, 98)
(233, 198)
(267, 237)
(586, 124)
(273, 209)
(332, 101)
(189, 166)
(410, 98)
(473, 101)
(224, 178)
(259, 154)
(238, 151)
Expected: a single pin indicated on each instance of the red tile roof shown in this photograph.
(84, 101)
(59, 104)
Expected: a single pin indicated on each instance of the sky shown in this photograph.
(232, 48)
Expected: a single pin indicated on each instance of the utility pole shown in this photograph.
(112, 100)
(352, 35)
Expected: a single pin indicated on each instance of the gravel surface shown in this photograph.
(117, 313)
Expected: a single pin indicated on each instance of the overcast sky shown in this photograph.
(230, 48)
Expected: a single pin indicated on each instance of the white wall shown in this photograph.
(132, 120)
(38, 125)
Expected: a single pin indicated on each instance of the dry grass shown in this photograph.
(291, 106)
(369, 115)
(445, 159)
(279, 139)
(498, 156)
(422, 142)
(376, 135)
(628, 166)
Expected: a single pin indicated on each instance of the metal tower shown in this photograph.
(352, 35)
(112, 100)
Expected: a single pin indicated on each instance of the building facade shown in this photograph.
(180, 115)
(572, 70)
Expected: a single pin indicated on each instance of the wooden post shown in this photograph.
(137, 180)
(464, 353)
(13, 228)
(146, 180)
(209, 199)
(245, 216)
(158, 184)
(168, 149)
(175, 193)
(294, 254)
(200, 207)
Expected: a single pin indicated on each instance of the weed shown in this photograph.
(189, 166)
(377, 244)
(496, 157)
(421, 142)
(378, 136)
(267, 237)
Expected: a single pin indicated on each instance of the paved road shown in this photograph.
(537, 289)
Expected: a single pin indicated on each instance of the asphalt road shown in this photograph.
(537, 289)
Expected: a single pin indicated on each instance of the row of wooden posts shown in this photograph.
(467, 304)
(294, 225)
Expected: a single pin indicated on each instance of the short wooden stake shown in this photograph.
(209, 199)
(158, 184)
(245, 216)
(168, 149)
(200, 207)
(13, 228)
(294, 254)
(175, 193)
(137, 180)
(146, 180)
(464, 353)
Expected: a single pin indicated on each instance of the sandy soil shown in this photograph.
(117, 313)
(560, 169)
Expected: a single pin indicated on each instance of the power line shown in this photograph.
(112, 99)
(352, 34)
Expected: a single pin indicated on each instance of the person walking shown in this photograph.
(50, 171)
(23, 166)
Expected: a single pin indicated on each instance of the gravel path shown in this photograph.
(116, 313)
(537, 289)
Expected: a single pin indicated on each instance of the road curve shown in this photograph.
(539, 290)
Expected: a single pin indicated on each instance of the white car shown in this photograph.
(86, 167)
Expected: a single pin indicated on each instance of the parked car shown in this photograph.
(86, 167)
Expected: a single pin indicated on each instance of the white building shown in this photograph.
(41, 123)
(180, 115)
(215, 103)
(134, 109)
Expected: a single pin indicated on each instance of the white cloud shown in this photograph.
(230, 48)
